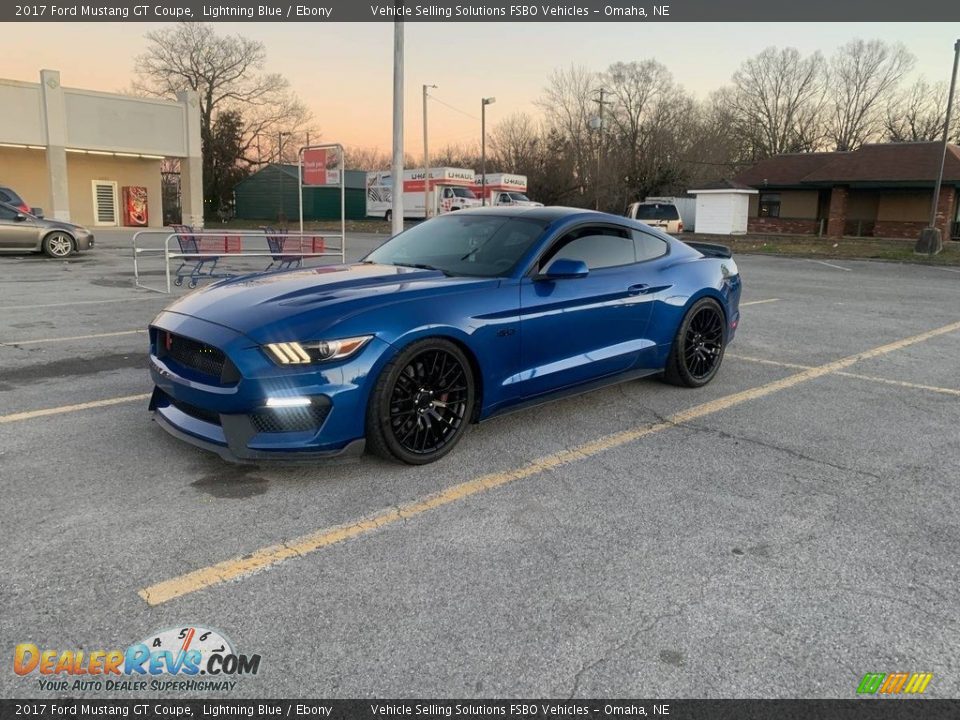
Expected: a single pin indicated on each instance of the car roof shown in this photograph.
(548, 213)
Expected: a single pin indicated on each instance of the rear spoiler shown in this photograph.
(711, 249)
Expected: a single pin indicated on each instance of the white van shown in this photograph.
(662, 215)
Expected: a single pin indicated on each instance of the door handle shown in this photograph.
(638, 289)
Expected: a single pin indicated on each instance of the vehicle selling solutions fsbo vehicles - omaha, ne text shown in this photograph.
(456, 320)
(449, 191)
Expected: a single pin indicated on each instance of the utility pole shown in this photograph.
(426, 158)
(483, 147)
(396, 173)
(931, 240)
(601, 102)
(282, 217)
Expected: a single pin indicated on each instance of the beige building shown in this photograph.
(73, 152)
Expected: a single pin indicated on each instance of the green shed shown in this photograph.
(271, 193)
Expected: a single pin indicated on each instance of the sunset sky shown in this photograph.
(343, 71)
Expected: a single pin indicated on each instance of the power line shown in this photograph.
(452, 107)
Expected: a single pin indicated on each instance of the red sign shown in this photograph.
(321, 166)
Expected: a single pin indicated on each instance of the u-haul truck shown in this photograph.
(449, 190)
(504, 189)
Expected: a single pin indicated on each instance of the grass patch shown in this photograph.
(837, 249)
(371, 225)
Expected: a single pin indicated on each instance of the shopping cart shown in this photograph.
(195, 265)
(276, 239)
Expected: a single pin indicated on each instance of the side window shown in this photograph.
(647, 246)
(598, 247)
(6, 213)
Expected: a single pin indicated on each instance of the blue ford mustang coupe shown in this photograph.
(454, 321)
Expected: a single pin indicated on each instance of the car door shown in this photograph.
(574, 330)
(18, 231)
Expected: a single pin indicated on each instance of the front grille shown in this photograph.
(295, 419)
(195, 412)
(193, 354)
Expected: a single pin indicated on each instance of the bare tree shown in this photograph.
(227, 72)
(917, 113)
(568, 107)
(777, 101)
(515, 143)
(862, 75)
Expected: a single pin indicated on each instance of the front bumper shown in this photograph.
(85, 242)
(211, 389)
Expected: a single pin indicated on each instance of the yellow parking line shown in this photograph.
(267, 557)
(858, 376)
(901, 383)
(759, 302)
(72, 337)
(31, 414)
(86, 302)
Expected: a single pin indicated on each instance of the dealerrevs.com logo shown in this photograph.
(898, 683)
(187, 659)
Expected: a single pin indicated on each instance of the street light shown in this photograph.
(483, 145)
(426, 158)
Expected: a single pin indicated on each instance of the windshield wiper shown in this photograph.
(422, 266)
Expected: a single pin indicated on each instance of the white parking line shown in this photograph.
(838, 267)
(760, 302)
(72, 337)
(937, 267)
(86, 302)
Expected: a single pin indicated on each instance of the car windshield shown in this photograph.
(519, 197)
(462, 244)
(657, 211)
(464, 193)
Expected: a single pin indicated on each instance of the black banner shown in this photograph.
(863, 709)
(484, 11)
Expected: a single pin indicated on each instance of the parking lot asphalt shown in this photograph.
(778, 533)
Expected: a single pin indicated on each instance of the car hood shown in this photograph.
(59, 225)
(265, 306)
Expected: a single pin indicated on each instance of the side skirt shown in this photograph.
(572, 391)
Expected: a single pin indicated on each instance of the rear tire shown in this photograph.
(58, 245)
(698, 347)
(388, 216)
(422, 403)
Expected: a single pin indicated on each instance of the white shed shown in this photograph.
(723, 207)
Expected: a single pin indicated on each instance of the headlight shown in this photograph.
(295, 353)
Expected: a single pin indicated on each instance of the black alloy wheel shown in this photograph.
(698, 346)
(422, 403)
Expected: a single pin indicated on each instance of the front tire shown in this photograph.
(422, 403)
(58, 245)
(698, 346)
(388, 216)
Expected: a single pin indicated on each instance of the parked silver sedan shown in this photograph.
(22, 232)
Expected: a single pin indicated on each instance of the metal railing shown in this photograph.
(263, 250)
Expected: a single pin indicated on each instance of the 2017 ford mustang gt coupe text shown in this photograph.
(458, 319)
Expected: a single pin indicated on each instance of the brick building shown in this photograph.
(881, 190)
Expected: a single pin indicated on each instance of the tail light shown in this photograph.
(680, 226)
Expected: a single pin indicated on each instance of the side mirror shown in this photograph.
(563, 268)
(20, 217)
(37, 212)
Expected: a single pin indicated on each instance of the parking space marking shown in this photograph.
(759, 302)
(72, 337)
(938, 267)
(86, 302)
(273, 555)
(31, 414)
(857, 376)
(838, 267)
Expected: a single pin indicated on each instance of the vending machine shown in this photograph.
(135, 206)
